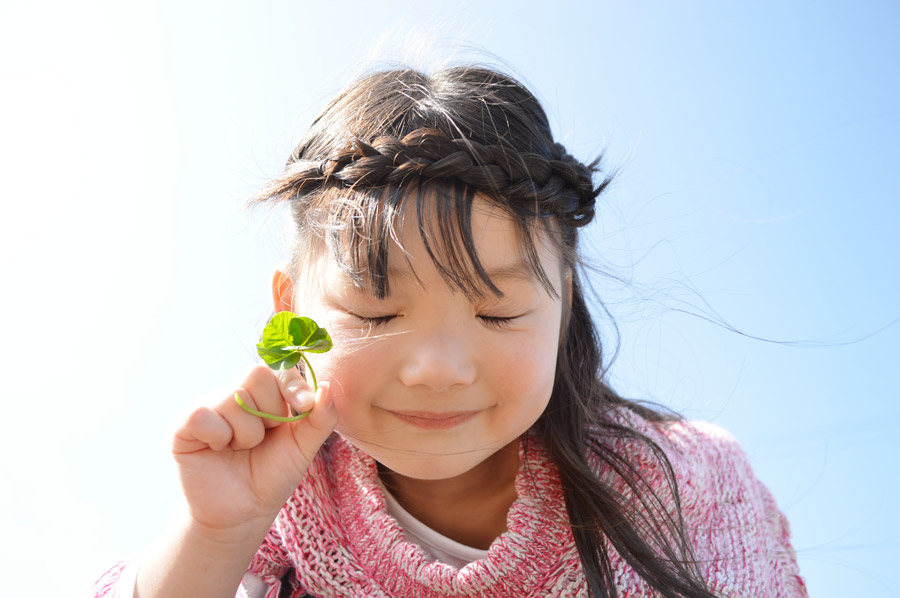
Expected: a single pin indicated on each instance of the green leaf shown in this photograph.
(285, 339)
(308, 336)
(287, 335)
(277, 332)
(278, 359)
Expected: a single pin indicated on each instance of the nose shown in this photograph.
(439, 361)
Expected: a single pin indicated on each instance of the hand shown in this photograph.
(237, 469)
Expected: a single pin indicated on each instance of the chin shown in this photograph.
(431, 469)
(420, 465)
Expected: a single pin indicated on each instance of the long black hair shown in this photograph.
(399, 135)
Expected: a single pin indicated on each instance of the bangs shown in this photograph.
(359, 225)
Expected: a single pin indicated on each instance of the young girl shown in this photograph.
(463, 440)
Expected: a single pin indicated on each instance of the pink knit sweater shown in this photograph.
(338, 539)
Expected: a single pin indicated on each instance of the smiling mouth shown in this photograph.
(429, 420)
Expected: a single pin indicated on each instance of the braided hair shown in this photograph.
(558, 186)
(400, 136)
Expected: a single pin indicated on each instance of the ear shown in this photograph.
(283, 288)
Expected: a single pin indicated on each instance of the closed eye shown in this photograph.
(498, 321)
(375, 320)
(490, 321)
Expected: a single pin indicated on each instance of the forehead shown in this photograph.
(377, 237)
(495, 242)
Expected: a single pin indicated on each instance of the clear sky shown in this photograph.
(758, 146)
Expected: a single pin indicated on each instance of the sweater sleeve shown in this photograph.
(263, 578)
(116, 582)
(268, 567)
(742, 539)
(119, 582)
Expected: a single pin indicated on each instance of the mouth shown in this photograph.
(430, 420)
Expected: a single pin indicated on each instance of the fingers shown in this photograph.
(265, 394)
(221, 426)
(295, 390)
(227, 424)
(204, 428)
(310, 433)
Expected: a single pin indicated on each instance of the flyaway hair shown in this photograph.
(439, 140)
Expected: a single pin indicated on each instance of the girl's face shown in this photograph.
(428, 381)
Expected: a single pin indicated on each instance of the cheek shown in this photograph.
(533, 356)
(527, 371)
(355, 369)
(348, 352)
(338, 366)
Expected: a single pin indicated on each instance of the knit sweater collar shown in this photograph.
(524, 560)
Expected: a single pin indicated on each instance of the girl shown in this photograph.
(463, 440)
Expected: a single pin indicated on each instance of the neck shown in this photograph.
(470, 508)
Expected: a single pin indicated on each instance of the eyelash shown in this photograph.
(375, 320)
(498, 322)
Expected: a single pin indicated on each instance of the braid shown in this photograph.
(475, 131)
(560, 186)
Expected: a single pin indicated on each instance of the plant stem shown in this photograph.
(279, 418)
(311, 372)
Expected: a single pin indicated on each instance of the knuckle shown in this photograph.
(291, 377)
(248, 439)
(247, 432)
(258, 373)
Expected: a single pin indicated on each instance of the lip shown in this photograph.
(430, 420)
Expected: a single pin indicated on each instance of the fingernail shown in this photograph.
(300, 398)
(324, 389)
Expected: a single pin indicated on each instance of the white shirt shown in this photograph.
(437, 546)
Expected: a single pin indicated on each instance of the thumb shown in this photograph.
(310, 432)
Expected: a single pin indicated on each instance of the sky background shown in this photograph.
(758, 197)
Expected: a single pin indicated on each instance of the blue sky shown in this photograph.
(758, 154)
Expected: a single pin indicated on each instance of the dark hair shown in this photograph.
(399, 135)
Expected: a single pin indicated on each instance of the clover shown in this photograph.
(285, 341)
